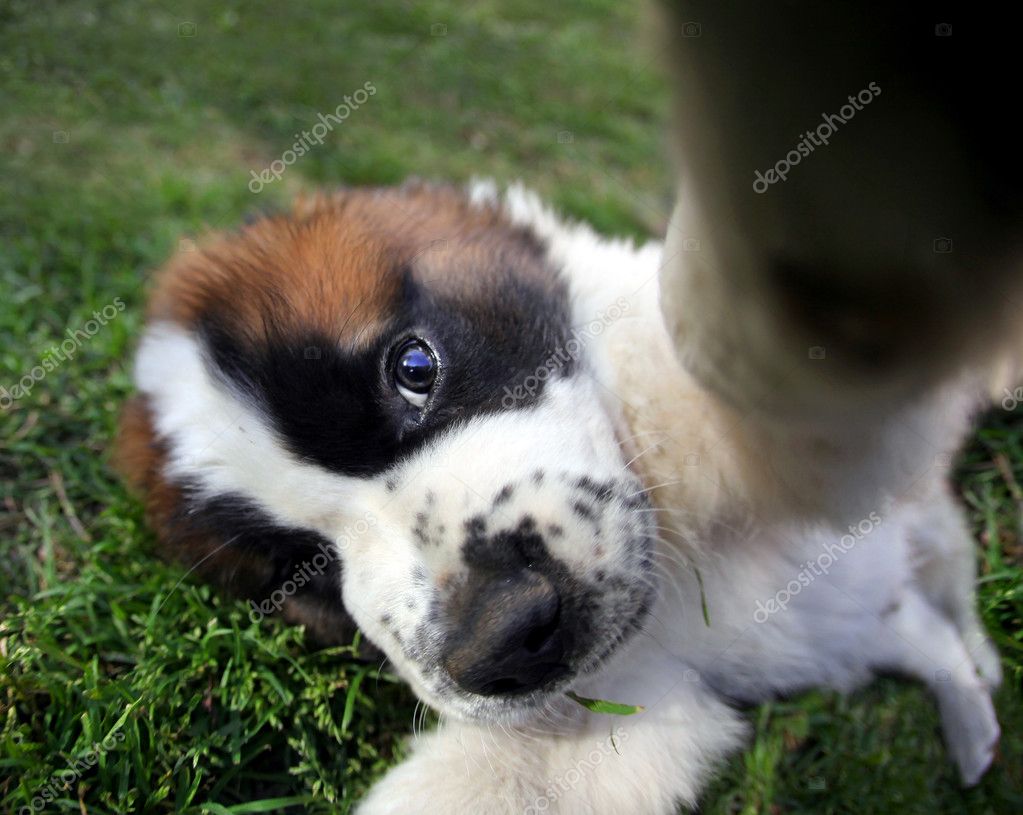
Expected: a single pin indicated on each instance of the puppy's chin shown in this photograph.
(506, 710)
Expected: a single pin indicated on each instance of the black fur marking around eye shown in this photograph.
(338, 407)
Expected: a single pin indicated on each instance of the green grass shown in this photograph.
(119, 136)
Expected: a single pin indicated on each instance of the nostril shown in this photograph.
(541, 634)
(506, 685)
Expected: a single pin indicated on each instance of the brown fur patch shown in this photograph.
(334, 264)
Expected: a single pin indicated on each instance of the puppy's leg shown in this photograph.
(925, 644)
(944, 553)
(857, 237)
(829, 304)
(644, 764)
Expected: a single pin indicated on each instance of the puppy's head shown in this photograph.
(397, 374)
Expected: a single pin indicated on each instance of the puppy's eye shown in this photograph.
(415, 368)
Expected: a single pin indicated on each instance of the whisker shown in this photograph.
(622, 442)
(632, 460)
(655, 487)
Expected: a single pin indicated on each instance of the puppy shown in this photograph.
(462, 421)
(525, 460)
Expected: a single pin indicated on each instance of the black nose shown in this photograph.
(507, 636)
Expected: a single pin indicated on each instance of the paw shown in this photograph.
(971, 730)
(407, 789)
(440, 778)
(398, 793)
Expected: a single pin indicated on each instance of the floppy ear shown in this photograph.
(228, 543)
(810, 277)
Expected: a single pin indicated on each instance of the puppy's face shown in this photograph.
(397, 372)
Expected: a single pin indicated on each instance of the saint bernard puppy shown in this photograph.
(528, 461)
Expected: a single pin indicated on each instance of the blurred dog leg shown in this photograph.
(847, 237)
(876, 261)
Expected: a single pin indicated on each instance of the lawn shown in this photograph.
(130, 128)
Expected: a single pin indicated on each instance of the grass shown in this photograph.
(128, 127)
